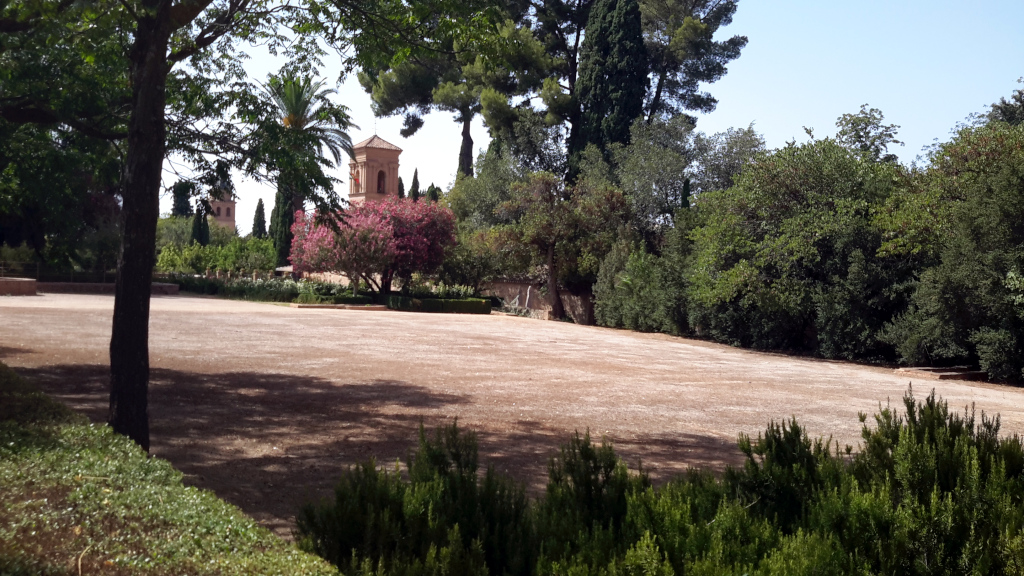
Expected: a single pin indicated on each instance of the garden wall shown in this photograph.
(17, 287)
(531, 297)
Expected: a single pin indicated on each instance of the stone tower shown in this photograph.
(223, 212)
(373, 173)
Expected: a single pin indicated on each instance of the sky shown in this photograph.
(927, 65)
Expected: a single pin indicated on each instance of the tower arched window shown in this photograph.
(381, 184)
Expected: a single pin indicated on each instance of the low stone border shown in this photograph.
(17, 287)
(158, 288)
(944, 373)
(376, 307)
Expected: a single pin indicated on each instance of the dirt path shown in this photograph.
(266, 404)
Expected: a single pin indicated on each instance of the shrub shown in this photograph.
(930, 492)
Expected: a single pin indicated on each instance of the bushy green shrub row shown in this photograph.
(248, 254)
(845, 254)
(423, 290)
(930, 492)
(454, 306)
(260, 290)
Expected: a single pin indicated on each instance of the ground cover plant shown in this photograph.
(79, 499)
(929, 491)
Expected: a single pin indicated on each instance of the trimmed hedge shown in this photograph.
(457, 306)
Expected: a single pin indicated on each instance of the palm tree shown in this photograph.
(312, 123)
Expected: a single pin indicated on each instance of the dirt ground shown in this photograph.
(266, 405)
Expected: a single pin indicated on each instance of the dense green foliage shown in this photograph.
(930, 492)
(238, 255)
(834, 248)
(75, 490)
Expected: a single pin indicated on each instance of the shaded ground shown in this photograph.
(266, 405)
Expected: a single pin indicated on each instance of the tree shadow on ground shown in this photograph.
(270, 442)
(6, 351)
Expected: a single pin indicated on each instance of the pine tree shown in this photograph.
(613, 75)
(281, 221)
(414, 188)
(401, 188)
(182, 192)
(259, 221)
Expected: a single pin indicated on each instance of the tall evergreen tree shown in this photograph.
(414, 188)
(200, 228)
(433, 193)
(401, 188)
(613, 76)
(281, 220)
(259, 221)
(182, 192)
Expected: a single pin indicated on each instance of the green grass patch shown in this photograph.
(78, 498)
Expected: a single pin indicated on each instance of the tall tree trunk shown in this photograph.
(466, 152)
(129, 341)
(557, 310)
(656, 101)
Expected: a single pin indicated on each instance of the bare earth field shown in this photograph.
(266, 405)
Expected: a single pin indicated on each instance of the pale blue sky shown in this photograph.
(926, 64)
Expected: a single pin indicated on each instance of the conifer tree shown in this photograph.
(414, 188)
(401, 188)
(259, 221)
(182, 192)
(281, 220)
(613, 75)
(200, 228)
(433, 193)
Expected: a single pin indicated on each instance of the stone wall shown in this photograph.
(17, 287)
(532, 297)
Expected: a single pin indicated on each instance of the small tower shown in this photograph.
(373, 173)
(223, 212)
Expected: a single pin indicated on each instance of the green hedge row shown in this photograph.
(459, 306)
(310, 298)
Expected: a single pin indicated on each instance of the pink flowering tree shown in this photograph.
(376, 242)
(422, 231)
(361, 247)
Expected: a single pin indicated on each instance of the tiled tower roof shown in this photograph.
(376, 142)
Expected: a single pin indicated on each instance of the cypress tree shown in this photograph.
(259, 221)
(433, 193)
(613, 75)
(200, 228)
(281, 224)
(182, 192)
(414, 188)
(401, 188)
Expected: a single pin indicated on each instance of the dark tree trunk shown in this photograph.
(557, 310)
(466, 152)
(656, 101)
(129, 341)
